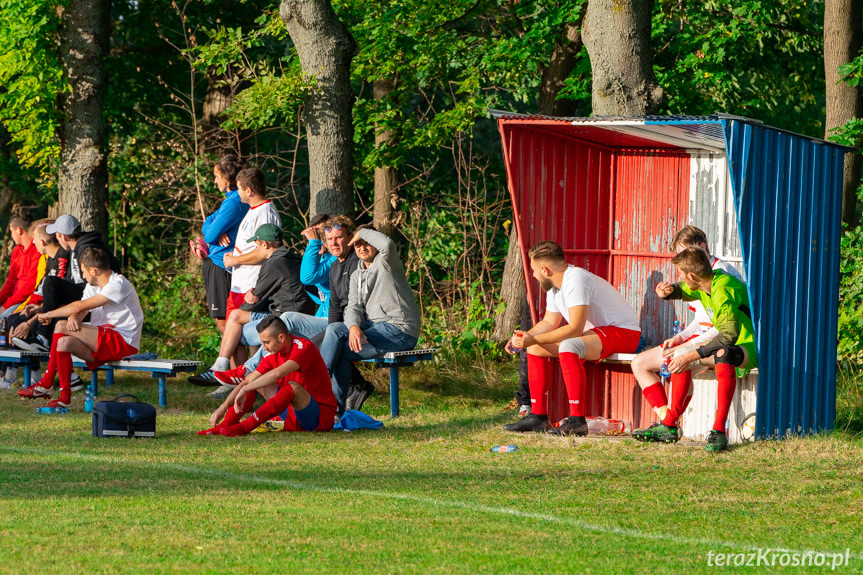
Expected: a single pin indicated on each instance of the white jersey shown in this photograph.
(606, 306)
(244, 278)
(123, 309)
(701, 327)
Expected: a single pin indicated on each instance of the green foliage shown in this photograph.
(851, 297)
(759, 58)
(31, 79)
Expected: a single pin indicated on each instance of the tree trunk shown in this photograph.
(563, 60)
(82, 181)
(386, 177)
(512, 291)
(617, 37)
(843, 39)
(217, 100)
(325, 48)
(6, 191)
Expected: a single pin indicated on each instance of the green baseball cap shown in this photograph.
(268, 233)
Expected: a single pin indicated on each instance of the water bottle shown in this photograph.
(663, 369)
(603, 426)
(4, 341)
(88, 399)
(504, 448)
(50, 410)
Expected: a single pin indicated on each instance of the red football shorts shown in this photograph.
(110, 347)
(235, 300)
(617, 340)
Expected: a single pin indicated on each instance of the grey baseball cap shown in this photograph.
(65, 224)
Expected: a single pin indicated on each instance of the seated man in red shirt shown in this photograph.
(293, 377)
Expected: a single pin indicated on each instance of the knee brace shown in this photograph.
(732, 355)
(573, 345)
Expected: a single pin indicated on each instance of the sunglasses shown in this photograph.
(336, 227)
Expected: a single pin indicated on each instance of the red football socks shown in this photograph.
(271, 408)
(681, 383)
(64, 370)
(232, 418)
(726, 376)
(47, 380)
(538, 379)
(575, 379)
(655, 395)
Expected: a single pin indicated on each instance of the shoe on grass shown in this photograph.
(76, 384)
(58, 403)
(363, 392)
(532, 422)
(716, 441)
(205, 379)
(221, 393)
(656, 433)
(570, 426)
(232, 377)
(35, 392)
(6, 384)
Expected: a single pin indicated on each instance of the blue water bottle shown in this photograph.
(88, 399)
(51, 410)
(663, 369)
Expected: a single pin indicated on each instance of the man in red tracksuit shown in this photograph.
(21, 281)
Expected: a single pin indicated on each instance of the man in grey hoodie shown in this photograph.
(381, 316)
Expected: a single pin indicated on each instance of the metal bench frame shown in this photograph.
(396, 359)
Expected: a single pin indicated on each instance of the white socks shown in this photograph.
(222, 364)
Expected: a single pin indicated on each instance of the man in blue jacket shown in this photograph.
(220, 231)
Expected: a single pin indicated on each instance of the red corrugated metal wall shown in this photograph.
(614, 211)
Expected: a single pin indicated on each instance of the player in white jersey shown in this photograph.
(586, 319)
(646, 365)
(245, 259)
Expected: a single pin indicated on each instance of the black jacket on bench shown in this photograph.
(279, 286)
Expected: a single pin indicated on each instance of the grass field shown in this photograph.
(422, 495)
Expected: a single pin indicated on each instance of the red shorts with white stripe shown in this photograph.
(617, 340)
(110, 347)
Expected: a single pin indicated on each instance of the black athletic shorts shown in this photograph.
(217, 283)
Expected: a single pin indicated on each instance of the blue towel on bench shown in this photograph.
(355, 419)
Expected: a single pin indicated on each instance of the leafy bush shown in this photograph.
(851, 297)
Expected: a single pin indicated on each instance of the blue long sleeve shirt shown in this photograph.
(225, 220)
(315, 271)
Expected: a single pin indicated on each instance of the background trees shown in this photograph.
(187, 81)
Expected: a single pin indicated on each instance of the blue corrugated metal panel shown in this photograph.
(788, 197)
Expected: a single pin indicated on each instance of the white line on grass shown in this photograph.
(431, 501)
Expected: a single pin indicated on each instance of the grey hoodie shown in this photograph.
(381, 293)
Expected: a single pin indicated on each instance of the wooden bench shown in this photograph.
(160, 369)
(396, 359)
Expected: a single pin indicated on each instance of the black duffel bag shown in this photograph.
(124, 418)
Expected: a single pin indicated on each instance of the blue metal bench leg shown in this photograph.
(163, 392)
(27, 372)
(394, 391)
(109, 378)
(94, 382)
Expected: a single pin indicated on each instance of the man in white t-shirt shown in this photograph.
(586, 319)
(246, 259)
(113, 332)
(646, 364)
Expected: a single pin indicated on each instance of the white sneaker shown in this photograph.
(221, 392)
(6, 384)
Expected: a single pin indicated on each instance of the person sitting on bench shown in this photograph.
(586, 319)
(381, 315)
(113, 332)
(731, 352)
(293, 378)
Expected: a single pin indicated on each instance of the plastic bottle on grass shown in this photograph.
(51, 410)
(504, 448)
(88, 399)
(603, 426)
